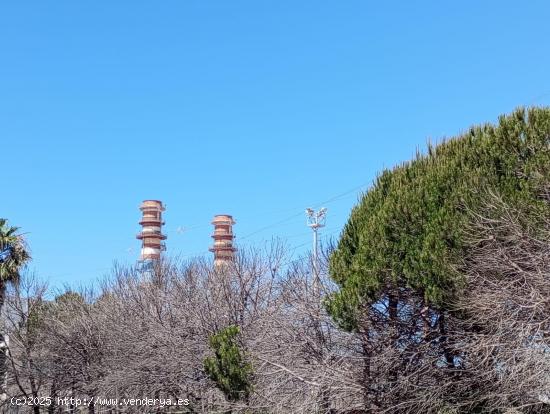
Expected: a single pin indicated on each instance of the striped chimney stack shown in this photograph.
(151, 233)
(223, 249)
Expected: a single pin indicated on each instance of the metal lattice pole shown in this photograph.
(316, 220)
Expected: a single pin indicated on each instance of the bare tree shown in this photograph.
(506, 308)
(25, 314)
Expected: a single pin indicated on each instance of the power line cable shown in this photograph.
(330, 200)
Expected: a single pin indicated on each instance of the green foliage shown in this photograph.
(228, 368)
(69, 298)
(67, 305)
(36, 320)
(13, 252)
(408, 229)
(39, 311)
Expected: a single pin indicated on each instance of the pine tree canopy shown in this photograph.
(408, 229)
(228, 368)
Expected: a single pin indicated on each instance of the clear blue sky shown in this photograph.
(253, 108)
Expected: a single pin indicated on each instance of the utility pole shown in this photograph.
(316, 220)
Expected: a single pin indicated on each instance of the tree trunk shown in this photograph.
(368, 399)
(443, 339)
(3, 348)
(393, 302)
(2, 294)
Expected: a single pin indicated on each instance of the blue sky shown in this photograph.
(256, 109)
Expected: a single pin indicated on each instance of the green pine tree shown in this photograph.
(408, 229)
(228, 368)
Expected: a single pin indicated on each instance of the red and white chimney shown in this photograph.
(151, 233)
(223, 249)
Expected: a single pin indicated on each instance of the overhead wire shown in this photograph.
(289, 262)
(330, 200)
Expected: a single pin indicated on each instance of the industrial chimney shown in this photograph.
(223, 239)
(151, 232)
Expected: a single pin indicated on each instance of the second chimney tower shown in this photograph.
(223, 249)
